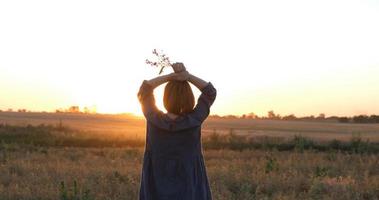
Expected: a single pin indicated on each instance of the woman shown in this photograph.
(173, 164)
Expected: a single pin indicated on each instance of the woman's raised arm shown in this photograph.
(157, 81)
(198, 82)
(146, 95)
(206, 99)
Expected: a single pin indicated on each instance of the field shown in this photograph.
(77, 156)
(130, 126)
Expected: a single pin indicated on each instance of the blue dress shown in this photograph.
(173, 163)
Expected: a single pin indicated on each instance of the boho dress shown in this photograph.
(173, 163)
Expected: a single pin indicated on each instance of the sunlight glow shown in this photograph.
(301, 57)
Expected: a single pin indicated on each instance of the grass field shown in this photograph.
(114, 173)
(130, 126)
(99, 157)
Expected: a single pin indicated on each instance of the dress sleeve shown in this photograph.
(205, 101)
(147, 100)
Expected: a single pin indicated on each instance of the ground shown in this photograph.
(47, 166)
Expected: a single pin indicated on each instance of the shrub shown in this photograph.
(271, 164)
(358, 145)
(302, 143)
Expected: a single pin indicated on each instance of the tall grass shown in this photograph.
(297, 143)
(61, 136)
(39, 162)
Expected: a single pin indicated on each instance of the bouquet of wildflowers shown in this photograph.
(161, 62)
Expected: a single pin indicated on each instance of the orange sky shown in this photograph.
(291, 56)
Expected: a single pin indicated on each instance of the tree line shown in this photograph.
(360, 119)
(271, 115)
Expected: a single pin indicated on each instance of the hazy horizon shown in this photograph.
(293, 57)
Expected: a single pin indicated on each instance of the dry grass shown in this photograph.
(128, 125)
(311, 129)
(114, 173)
(42, 170)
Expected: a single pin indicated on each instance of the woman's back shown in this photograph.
(173, 165)
(182, 142)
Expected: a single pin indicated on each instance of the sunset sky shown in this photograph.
(300, 57)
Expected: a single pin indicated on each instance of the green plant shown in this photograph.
(214, 140)
(3, 157)
(317, 190)
(271, 164)
(358, 145)
(302, 143)
(236, 142)
(320, 171)
(74, 193)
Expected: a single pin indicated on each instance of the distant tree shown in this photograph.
(271, 114)
(332, 118)
(252, 116)
(343, 120)
(321, 116)
(86, 110)
(74, 109)
(307, 118)
(374, 118)
(215, 116)
(289, 117)
(21, 110)
(361, 119)
(10, 110)
(231, 117)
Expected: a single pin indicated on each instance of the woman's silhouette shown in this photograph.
(173, 164)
